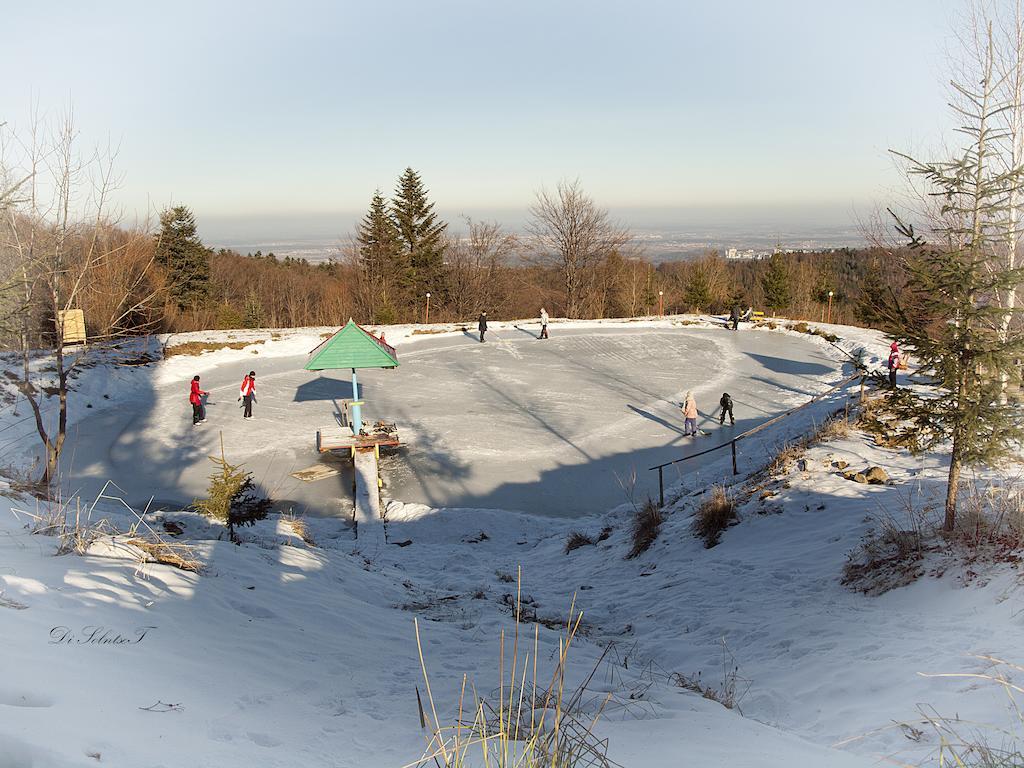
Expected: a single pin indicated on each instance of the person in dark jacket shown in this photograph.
(734, 317)
(247, 394)
(196, 398)
(482, 325)
(726, 403)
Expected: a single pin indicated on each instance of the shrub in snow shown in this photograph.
(232, 499)
(646, 526)
(713, 516)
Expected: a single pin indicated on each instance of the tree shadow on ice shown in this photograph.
(792, 367)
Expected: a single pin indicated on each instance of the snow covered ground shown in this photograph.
(286, 654)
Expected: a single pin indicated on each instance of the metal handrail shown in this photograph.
(748, 433)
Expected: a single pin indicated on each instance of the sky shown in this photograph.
(287, 115)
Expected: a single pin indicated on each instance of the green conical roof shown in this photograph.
(352, 347)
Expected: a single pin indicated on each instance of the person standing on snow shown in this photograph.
(734, 317)
(726, 403)
(482, 325)
(689, 415)
(247, 394)
(543, 323)
(894, 363)
(196, 398)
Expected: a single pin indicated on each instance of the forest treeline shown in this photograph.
(573, 260)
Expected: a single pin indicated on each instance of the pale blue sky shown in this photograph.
(302, 108)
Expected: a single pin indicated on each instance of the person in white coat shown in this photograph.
(543, 323)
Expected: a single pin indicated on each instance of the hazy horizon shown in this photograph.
(659, 230)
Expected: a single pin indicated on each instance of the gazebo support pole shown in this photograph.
(357, 410)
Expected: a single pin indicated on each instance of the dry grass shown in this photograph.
(576, 540)
(646, 527)
(729, 692)
(530, 721)
(164, 552)
(297, 525)
(713, 516)
(890, 555)
(786, 457)
(78, 530)
(991, 517)
(199, 347)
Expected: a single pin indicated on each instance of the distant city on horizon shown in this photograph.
(656, 242)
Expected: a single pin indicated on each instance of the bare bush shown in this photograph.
(576, 540)
(714, 515)
(646, 527)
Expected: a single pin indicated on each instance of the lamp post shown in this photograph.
(661, 303)
(830, 306)
(426, 315)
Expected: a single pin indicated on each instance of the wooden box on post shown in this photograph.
(72, 324)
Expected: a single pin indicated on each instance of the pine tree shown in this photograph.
(698, 288)
(184, 256)
(232, 497)
(948, 315)
(253, 310)
(775, 284)
(420, 234)
(385, 269)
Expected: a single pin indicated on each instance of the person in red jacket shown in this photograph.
(196, 398)
(247, 394)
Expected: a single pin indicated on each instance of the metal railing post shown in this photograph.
(735, 469)
(661, 486)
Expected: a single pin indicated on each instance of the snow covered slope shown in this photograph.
(286, 654)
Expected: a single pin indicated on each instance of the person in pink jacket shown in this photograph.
(689, 415)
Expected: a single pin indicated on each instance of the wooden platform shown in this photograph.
(337, 438)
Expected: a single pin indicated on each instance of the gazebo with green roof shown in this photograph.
(353, 347)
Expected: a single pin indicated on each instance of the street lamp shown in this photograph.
(426, 315)
(830, 306)
(661, 303)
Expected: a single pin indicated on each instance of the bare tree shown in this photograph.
(60, 238)
(573, 233)
(475, 263)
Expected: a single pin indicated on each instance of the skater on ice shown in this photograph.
(196, 398)
(543, 323)
(734, 317)
(482, 325)
(726, 403)
(247, 394)
(689, 416)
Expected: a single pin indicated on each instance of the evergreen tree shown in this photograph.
(698, 288)
(183, 255)
(232, 495)
(385, 269)
(948, 315)
(775, 284)
(253, 310)
(420, 234)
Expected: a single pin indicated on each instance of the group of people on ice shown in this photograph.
(246, 396)
(690, 413)
(481, 325)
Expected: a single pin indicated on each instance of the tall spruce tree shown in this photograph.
(775, 284)
(385, 267)
(948, 315)
(420, 234)
(183, 255)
